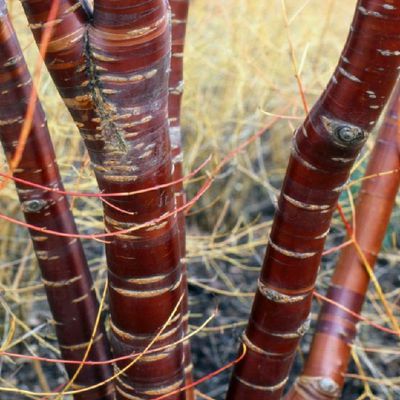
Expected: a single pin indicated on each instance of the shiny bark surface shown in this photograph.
(111, 68)
(323, 376)
(324, 148)
(179, 15)
(65, 273)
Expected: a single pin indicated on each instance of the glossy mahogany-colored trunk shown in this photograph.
(111, 68)
(65, 273)
(323, 376)
(179, 15)
(323, 151)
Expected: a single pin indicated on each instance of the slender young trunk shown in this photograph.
(179, 10)
(111, 68)
(324, 149)
(323, 376)
(65, 273)
(179, 14)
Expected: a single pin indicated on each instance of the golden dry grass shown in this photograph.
(239, 72)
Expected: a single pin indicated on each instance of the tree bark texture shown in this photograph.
(65, 272)
(179, 15)
(111, 68)
(324, 149)
(323, 375)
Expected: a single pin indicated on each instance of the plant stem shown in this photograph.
(65, 272)
(179, 15)
(111, 69)
(323, 152)
(326, 365)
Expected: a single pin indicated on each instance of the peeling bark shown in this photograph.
(111, 69)
(327, 362)
(324, 149)
(65, 273)
(179, 15)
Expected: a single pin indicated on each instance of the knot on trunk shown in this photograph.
(34, 206)
(344, 133)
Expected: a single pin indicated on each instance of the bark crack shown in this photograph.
(112, 133)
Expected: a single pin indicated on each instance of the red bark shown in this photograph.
(324, 149)
(111, 68)
(179, 11)
(65, 273)
(323, 376)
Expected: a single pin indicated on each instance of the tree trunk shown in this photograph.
(179, 14)
(111, 68)
(323, 376)
(65, 273)
(324, 149)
